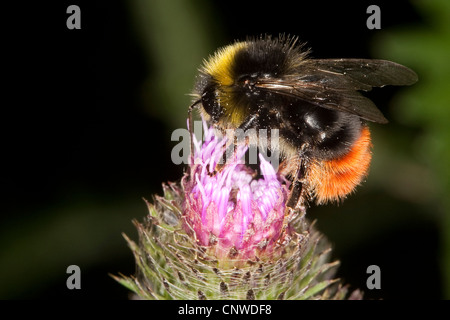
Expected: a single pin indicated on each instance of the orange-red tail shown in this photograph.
(333, 180)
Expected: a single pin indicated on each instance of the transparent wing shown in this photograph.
(334, 84)
(362, 74)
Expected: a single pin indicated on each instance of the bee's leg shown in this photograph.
(294, 194)
(250, 122)
(298, 194)
(296, 198)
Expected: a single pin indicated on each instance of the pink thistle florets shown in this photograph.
(234, 215)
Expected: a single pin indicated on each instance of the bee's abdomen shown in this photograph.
(333, 180)
(328, 133)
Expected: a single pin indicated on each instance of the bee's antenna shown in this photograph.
(191, 127)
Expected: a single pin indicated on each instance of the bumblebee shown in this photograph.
(315, 104)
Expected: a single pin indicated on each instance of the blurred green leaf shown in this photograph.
(426, 105)
(164, 27)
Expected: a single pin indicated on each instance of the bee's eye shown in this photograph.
(211, 103)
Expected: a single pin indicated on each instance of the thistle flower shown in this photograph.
(223, 234)
(236, 217)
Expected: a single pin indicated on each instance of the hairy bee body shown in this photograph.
(314, 104)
